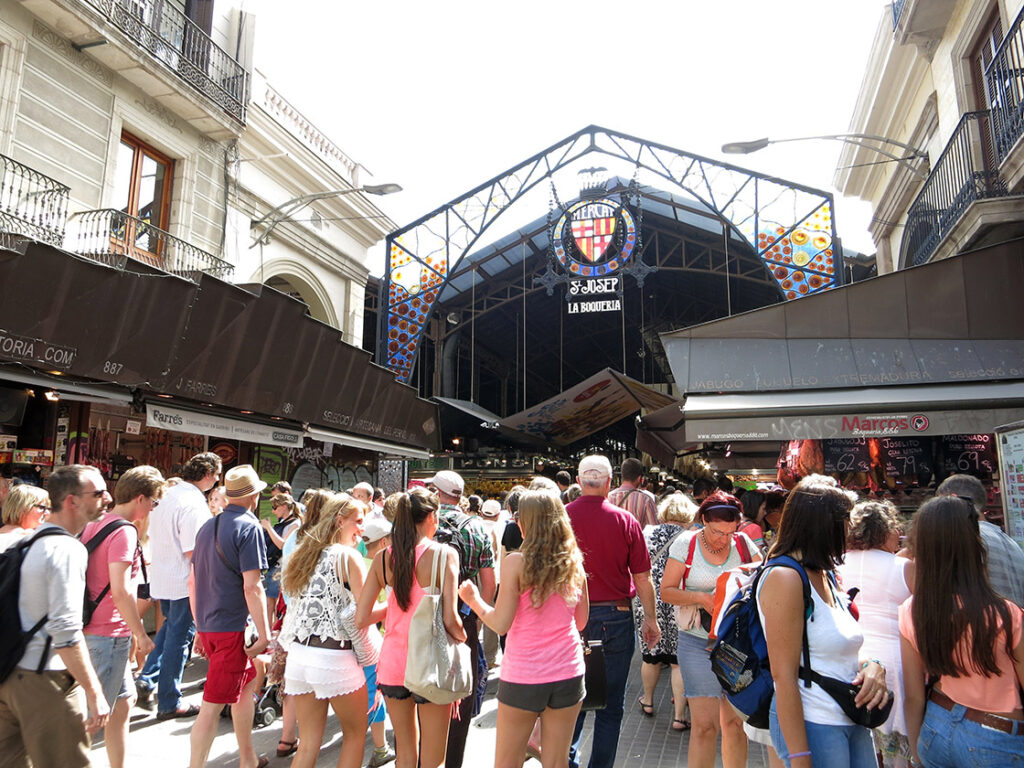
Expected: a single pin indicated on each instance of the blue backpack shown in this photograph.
(740, 655)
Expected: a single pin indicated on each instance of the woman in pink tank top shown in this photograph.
(542, 605)
(421, 728)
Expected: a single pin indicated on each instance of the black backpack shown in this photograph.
(89, 605)
(13, 639)
(446, 534)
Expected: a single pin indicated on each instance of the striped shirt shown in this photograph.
(639, 503)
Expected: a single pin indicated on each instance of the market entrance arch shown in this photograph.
(789, 227)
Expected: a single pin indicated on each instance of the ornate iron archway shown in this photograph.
(789, 226)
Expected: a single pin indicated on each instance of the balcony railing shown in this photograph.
(963, 174)
(181, 46)
(108, 236)
(1005, 81)
(897, 11)
(31, 204)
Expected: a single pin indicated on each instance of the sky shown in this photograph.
(441, 96)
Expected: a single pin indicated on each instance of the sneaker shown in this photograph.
(381, 756)
(144, 696)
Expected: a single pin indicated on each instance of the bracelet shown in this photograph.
(800, 754)
(869, 661)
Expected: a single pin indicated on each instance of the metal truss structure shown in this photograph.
(789, 227)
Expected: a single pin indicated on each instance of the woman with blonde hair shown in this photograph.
(675, 514)
(23, 511)
(421, 727)
(314, 500)
(542, 606)
(322, 577)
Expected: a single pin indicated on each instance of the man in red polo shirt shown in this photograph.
(618, 567)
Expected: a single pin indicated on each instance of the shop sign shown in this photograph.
(33, 456)
(846, 455)
(593, 241)
(806, 427)
(597, 295)
(27, 349)
(179, 420)
(132, 427)
(906, 455)
(970, 454)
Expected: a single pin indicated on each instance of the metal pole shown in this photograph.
(728, 288)
(472, 340)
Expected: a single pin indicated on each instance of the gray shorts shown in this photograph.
(110, 660)
(536, 697)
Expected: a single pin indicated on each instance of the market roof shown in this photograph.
(506, 252)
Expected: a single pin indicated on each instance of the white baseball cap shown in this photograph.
(595, 465)
(376, 528)
(448, 482)
(490, 508)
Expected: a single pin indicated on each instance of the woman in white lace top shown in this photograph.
(322, 669)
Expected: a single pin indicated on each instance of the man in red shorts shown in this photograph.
(226, 590)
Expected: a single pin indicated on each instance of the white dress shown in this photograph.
(881, 578)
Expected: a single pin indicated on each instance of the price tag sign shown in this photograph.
(906, 455)
(969, 454)
(848, 454)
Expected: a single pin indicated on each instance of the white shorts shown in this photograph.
(323, 672)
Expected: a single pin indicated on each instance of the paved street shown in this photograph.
(647, 742)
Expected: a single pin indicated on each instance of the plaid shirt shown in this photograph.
(476, 541)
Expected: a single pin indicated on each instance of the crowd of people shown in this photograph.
(321, 601)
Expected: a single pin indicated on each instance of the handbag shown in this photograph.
(437, 667)
(843, 693)
(595, 678)
(366, 641)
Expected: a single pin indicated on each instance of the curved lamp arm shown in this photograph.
(857, 139)
(287, 209)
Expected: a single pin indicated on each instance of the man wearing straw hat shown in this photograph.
(226, 589)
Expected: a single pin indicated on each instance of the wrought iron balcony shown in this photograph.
(1005, 81)
(181, 46)
(108, 236)
(31, 204)
(965, 172)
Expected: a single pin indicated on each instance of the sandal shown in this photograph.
(647, 709)
(290, 747)
(684, 725)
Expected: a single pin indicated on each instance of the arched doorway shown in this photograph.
(788, 227)
(300, 283)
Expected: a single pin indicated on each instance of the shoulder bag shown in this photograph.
(437, 667)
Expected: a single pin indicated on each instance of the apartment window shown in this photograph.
(142, 193)
(990, 35)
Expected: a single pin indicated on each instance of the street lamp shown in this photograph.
(287, 209)
(857, 139)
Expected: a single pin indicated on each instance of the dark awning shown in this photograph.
(241, 347)
(961, 319)
(937, 349)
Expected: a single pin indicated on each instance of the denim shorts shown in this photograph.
(695, 666)
(110, 660)
(830, 745)
(400, 692)
(948, 739)
(272, 582)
